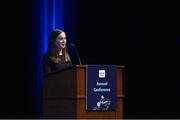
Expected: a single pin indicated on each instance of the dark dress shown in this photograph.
(50, 66)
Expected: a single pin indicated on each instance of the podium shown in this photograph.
(64, 95)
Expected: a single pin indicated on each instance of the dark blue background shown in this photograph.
(92, 73)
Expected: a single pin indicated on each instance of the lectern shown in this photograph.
(64, 95)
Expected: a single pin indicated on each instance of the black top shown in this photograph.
(50, 66)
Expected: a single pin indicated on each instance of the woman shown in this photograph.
(57, 57)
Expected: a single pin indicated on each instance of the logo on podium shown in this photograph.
(101, 87)
(102, 73)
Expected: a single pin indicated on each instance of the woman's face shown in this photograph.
(60, 41)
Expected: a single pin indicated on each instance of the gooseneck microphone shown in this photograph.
(74, 46)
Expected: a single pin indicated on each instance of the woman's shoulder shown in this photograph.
(45, 57)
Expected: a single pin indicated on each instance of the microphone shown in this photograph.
(74, 46)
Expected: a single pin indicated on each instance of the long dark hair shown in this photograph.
(53, 52)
